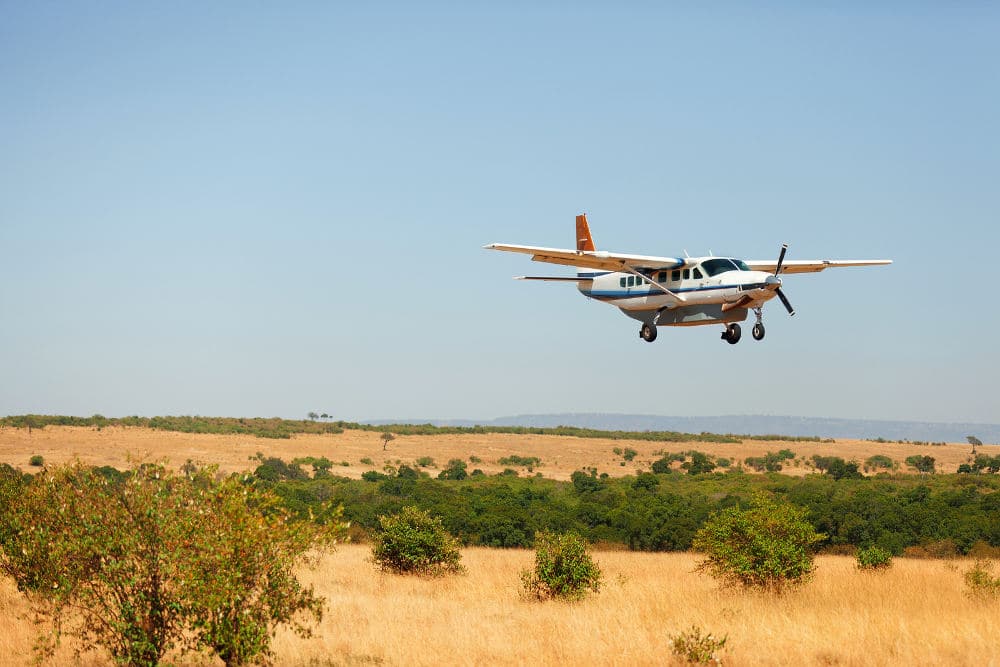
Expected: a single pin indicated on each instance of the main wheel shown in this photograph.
(758, 331)
(647, 332)
(733, 333)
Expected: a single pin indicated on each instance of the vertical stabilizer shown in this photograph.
(584, 241)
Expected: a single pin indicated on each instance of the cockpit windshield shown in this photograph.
(717, 265)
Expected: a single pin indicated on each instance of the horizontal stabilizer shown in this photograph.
(559, 279)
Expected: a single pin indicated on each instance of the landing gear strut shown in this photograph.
(758, 328)
(648, 332)
(732, 334)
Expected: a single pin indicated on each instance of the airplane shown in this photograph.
(673, 291)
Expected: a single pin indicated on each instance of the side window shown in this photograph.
(622, 281)
(697, 273)
(675, 275)
(631, 281)
(687, 273)
(662, 277)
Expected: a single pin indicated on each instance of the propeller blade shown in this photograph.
(784, 300)
(781, 258)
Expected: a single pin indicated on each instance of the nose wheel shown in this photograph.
(758, 331)
(648, 332)
(732, 334)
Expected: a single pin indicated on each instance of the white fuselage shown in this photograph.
(697, 283)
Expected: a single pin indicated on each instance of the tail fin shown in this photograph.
(584, 241)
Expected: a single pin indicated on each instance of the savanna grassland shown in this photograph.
(918, 612)
(560, 455)
(914, 614)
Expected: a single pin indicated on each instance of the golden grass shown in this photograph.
(914, 614)
(561, 455)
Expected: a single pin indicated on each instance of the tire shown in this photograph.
(734, 333)
(647, 333)
(758, 332)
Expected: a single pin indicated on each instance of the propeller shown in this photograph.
(777, 270)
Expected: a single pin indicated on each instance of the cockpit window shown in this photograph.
(714, 267)
(740, 264)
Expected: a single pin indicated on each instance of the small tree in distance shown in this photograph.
(386, 439)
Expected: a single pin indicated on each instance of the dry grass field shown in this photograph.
(560, 455)
(914, 614)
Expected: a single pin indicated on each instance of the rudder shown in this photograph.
(584, 241)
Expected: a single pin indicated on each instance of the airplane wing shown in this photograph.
(811, 265)
(591, 259)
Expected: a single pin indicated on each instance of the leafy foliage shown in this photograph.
(37, 461)
(696, 648)
(980, 581)
(149, 560)
(767, 546)
(563, 568)
(873, 558)
(456, 470)
(923, 464)
(414, 542)
(515, 460)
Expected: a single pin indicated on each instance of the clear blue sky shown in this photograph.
(249, 209)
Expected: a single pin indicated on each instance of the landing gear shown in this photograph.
(648, 332)
(732, 334)
(758, 328)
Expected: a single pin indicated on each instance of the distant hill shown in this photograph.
(857, 429)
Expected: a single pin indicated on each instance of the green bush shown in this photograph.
(367, 461)
(767, 546)
(695, 648)
(515, 460)
(150, 560)
(873, 558)
(37, 461)
(981, 582)
(425, 462)
(456, 470)
(563, 568)
(414, 542)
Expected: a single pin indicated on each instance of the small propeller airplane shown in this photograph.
(673, 291)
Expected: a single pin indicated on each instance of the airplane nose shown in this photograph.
(772, 281)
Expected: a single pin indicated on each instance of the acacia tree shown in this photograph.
(386, 439)
(151, 560)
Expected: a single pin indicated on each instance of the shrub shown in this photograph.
(981, 582)
(879, 462)
(37, 461)
(456, 470)
(367, 461)
(767, 546)
(151, 560)
(425, 462)
(515, 460)
(629, 454)
(563, 568)
(873, 558)
(696, 648)
(414, 542)
(922, 464)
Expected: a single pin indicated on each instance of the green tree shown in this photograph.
(766, 546)
(922, 464)
(414, 542)
(563, 568)
(241, 584)
(456, 470)
(142, 562)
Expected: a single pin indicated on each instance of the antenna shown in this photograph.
(710, 253)
(686, 255)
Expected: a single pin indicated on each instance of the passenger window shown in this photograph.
(676, 275)
(631, 281)
(662, 277)
(687, 273)
(622, 281)
(697, 273)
